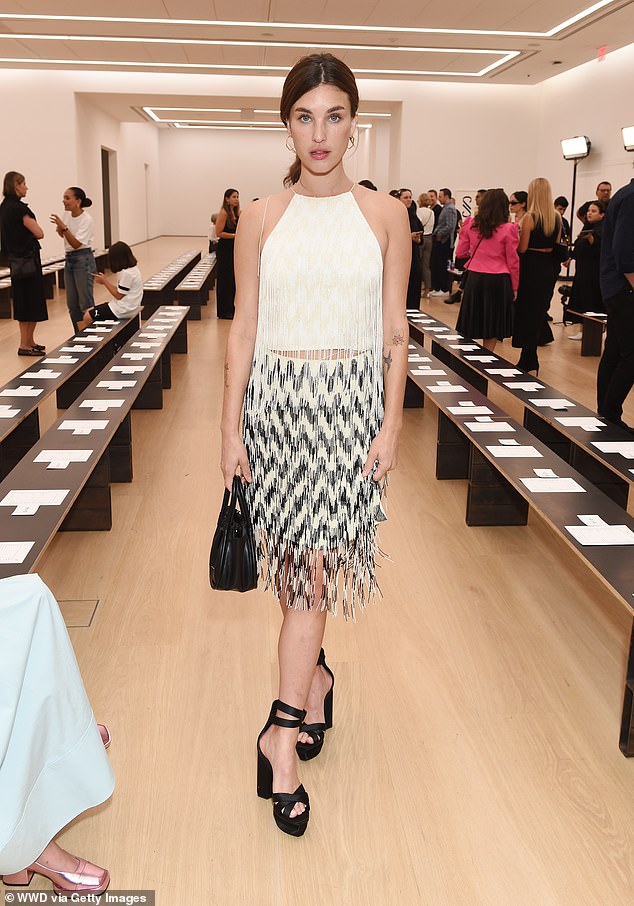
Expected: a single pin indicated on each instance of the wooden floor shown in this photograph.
(474, 759)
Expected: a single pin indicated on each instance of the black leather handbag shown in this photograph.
(25, 266)
(233, 563)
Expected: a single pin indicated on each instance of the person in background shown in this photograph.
(19, 239)
(126, 295)
(585, 294)
(517, 206)
(213, 239)
(561, 206)
(434, 204)
(77, 230)
(456, 297)
(603, 194)
(540, 231)
(616, 368)
(427, 219)
(443, 237)
(368, 184)
(415, 270)
(226, 225)
(53, 766)
(489, 244)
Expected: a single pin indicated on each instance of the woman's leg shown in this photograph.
(299, 643)
(72, 295)
(490, 344)
(26, 334)
(85, 271)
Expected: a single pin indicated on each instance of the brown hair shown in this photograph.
(120, 257)
(81, 197)
(232, 218)
(11, 179)
(308, 73)
(492, 212)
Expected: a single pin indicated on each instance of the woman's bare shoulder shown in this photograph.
(254, 212)
(385, 207)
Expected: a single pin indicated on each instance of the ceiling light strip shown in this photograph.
(583, 14)
(144, 64)
(204, 42)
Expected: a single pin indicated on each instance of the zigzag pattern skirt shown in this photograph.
(308, 426)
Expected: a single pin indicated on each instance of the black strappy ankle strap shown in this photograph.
(298, 714)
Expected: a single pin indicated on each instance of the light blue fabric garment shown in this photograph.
(53, 765)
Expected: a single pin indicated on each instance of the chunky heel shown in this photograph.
(18, 878)
(283, 803)
(308, 750)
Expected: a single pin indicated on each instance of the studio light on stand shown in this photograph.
(628, 137)
(574, 149)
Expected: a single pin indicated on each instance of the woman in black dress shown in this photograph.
(416, 229)
(586, 289)
(20, 231)
(226, 224)
(540, 231)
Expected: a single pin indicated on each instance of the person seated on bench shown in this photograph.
(126, 295)
(53, 766)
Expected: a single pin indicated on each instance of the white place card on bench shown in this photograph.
(595, 531)
(8, 412)
(101, 405)
(625, 448)
(511, 450)
(59, 459)
(22, 390)
(552, 404)
(431, 372)
(15, 551)
(128, 369)
(527, 386)
(76, 349)
(83, 427)
(61, 360)
(468, 347)
(145, 345)
(116, 385)
(588, 424)
(480, 427)
(44, 374)
(136, 356)
(32, 500)
(503, 372)
(468, 408)
(446, 387)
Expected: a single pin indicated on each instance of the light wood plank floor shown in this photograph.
(474, 759)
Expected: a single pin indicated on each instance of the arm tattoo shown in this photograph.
(387, 359)
(226, 374)
(398, 339)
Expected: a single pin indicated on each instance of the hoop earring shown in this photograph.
(292, 148)
(351, 141)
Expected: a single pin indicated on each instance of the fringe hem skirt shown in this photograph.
(308, 426)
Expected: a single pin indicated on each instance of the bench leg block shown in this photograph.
(151, 397)
(166, 368)
(452, 450)
(603, 478)
(591, 338)
(92, 510)
(548, 434)
(460, 367)
(626, 739)
(120, 451)
(491, 499)
(179, 340)
(414, 396)
(19, 442)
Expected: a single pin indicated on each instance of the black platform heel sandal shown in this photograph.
(308, 750)
(283, 803)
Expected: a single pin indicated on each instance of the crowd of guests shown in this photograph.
(510, 254)
(20, 235)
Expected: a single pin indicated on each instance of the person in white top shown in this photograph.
(126, 295)
(76, 228)
(428, 219)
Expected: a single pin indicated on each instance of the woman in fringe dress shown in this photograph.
(317, 355)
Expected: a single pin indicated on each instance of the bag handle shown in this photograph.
(238, 497)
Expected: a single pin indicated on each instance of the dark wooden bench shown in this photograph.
(194, 288)
(509, 472)
(66, 371)
(159, 289)
(600, 451)
(592, 327)
(79, 456)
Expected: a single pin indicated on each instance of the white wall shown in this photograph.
(593, 100)
(460, 135)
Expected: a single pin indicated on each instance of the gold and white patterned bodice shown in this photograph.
(320, 282)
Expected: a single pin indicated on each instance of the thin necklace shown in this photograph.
(312, 194)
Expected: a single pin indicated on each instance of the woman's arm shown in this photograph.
(241, 342)
(65, 232)
(526, 229)
(221, 222)
(396, 265)
(33, 226)
(112, 289)
(463, 247)
(511, 256)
